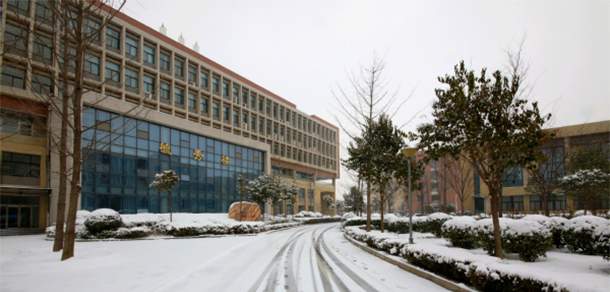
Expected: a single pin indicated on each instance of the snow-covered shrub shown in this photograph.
(556, 226)
(578, 233)
(50, 231)
(582, 213)
(459, 232)
(537, 218)
(398, 225)
(602, 241)
(81, 216)
(103, 220)
(483, 232)
(134, 232)
(322, 220)
(529, 239)
(435, 222)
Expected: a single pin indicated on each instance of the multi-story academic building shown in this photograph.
(154, 104)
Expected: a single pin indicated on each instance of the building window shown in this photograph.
(131, 78)
(112, 71)
(131, 46)
(244, 118)
(178, 68)
(216, 109)
(15, 37)
(19, 6)
(253, 123)
(179, 95)
(192, 101)
(204, 79)
(92, 64)
(554, 203)
(93, 29)
(23, 165)
(260, 126)
(113, 38)
(268, 107)
(244, 98)
(235, 116)
(164, 61)
(43, 47)
(192, 75)
(215, 84)
(42, 84)
(149, 54)
(512, 203)
(268, 128)
(235, 92)
(13, 77)
(513, 178)
(225, 113)
(225, 89)
(275, 111)
(22, 125)
(252, 101)
(43, 13)
(164, 92)
(204, 105)
(149, 84)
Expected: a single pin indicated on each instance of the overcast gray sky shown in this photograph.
(301, 50)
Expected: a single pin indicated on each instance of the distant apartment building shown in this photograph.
(439, 188)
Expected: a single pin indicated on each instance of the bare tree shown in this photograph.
(60, 43)
(364, 103)
(459, 177)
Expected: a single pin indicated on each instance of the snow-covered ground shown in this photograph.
(581, 272)
(306, 258)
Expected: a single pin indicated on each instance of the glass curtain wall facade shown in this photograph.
(123, 155)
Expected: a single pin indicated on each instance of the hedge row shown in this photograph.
(460, 269)
(322, 220)
(105, 223)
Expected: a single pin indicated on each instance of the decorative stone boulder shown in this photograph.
(249, 211)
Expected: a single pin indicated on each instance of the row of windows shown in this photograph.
(131, 80)
(16, 164)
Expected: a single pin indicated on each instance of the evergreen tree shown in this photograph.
(164, 182)
(484, 123)
(589, 179)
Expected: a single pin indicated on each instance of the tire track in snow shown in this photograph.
(358, 280)
(274, 265)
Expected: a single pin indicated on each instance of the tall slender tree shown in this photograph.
(484, 123)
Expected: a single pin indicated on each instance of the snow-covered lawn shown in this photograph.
(574, 271)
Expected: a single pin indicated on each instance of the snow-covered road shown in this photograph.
(306, 258)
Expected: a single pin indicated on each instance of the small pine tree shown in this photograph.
(164, 182)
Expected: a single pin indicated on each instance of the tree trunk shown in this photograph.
(546, 205)
(381, 196)
(368, 206)
(171, 203)
(496, 224)
(63, 158)
(77, 109)
(63, 178)
(76, 172)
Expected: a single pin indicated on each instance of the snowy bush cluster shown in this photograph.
(530, 237)
(483, 272)
(400, 225)
(107, 223)
(308, 214)
(579, 233)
